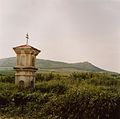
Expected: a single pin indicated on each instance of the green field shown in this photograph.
(62, 95)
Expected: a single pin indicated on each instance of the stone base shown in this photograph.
(25, 78)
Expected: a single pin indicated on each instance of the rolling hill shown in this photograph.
(9, 63)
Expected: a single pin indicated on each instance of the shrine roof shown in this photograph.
(26, 46)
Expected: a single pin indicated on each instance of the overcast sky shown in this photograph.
(64, 30)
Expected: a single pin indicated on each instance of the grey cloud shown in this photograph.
(66, 30)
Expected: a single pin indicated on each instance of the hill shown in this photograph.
(8, 63)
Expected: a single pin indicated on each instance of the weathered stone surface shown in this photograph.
(25, 65)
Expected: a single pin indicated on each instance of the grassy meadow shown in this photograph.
(62, 95)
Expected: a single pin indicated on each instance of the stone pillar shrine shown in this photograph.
(25, 65)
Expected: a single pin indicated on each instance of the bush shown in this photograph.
(84, 104)
(45, 76)
(3, 100)
(57, 97)
(57, 87)
(7, 79)
(7, 86)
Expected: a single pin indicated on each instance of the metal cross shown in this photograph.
(27, 37)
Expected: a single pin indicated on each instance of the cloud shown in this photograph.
(66, 30)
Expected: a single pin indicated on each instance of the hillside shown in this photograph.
(55, 65)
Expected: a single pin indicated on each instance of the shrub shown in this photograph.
(45, 76)
(3, 100)
(84, 104)
(57, 97)
(19, 98)
(7, 86)
(7, 79)
(57, 87)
